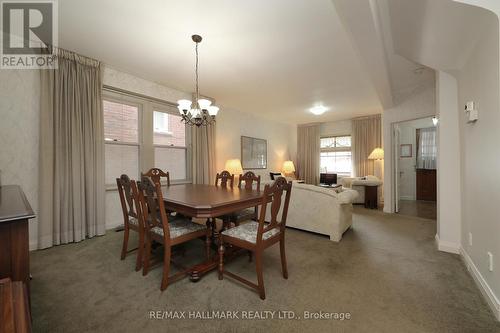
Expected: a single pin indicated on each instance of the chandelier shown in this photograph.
(200, 112)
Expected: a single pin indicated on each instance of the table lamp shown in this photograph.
(289, 169)
(234, 167)
(377, 155)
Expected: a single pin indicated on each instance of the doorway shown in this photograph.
(415, 171)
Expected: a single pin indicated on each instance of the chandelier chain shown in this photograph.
(196, 70)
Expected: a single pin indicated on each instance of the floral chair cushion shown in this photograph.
(180, 227)
(133, 221)
(248, 232)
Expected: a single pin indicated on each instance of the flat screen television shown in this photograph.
(328, 178)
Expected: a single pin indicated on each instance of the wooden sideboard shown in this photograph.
(15, 212)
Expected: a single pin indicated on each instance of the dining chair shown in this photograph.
(158, 228)
(258, 236)
(131, 219)
(222, 179)
(226, 180)
(156, 175)
(247, 181)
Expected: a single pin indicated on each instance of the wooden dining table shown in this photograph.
(208, 201)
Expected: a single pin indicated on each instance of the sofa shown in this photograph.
(320, 210)
(358, 184)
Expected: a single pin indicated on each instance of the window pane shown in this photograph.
(343, 141)
(121, 159)
(337, 162)
(160, 122)
(175, 134)
(172, 160)
(121, 122)
(327, 142)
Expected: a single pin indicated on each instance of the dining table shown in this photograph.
(208, 201)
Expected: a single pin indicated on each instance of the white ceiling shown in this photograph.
(275, 58)
(438, 33)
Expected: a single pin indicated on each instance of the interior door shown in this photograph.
(426, 185)
(395, 162)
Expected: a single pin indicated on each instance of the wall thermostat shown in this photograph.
(471, 112)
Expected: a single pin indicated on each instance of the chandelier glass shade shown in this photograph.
(199, 112)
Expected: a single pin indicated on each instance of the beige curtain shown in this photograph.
(308, 140)
(203, 139)
(71, 186)
(366, 136)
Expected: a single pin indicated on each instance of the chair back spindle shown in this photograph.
(126, 197)
(153, 207)
(273, 195)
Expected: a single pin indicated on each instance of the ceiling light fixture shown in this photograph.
(200, 112)
(318, 110)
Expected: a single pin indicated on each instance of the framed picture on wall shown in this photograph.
(253, 153)
(405, 150)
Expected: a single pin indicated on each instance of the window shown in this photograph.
(335, 155)
(170, 146)
(140, 134)
(121, 135)
(160, 122)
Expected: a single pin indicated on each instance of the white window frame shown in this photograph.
(155, 107)
(146, 158)
(118, 100)
(336, 150)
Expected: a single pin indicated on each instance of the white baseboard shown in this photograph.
(485, 289)
(449, 247)
(407, 197)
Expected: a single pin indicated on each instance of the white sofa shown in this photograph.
(320, 210)
(358, 184)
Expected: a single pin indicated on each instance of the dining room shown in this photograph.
(161, 163)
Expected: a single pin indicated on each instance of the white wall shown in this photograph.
(449, 183)
(421, 103)
(479, 81)
(19, 131)
(231, 125)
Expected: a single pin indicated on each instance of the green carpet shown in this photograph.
(386, 273)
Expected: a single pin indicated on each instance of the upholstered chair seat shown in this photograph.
(179, 227)
(248, 232)
(133, 221)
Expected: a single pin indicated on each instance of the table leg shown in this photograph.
(201, 269)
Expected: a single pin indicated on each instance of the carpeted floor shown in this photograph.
(386, 273)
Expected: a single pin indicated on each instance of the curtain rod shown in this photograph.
(141, 96)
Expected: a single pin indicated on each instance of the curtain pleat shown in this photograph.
(366, 136)
(203, 142)
(71, 151)
(308, 149)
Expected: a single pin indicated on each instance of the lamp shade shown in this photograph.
(288, 167)
(377, 154)
(234, 166)
(204, 103)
